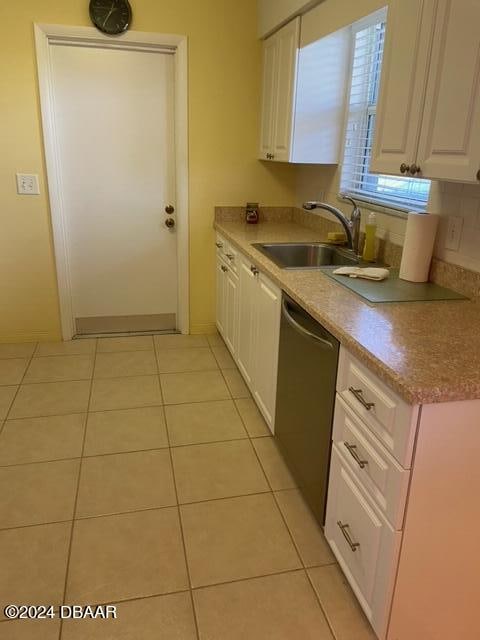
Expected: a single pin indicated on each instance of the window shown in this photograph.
(408, 194)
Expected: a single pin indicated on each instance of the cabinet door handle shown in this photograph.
(344, 529)
(404, 168)
(352, 449)
(224, 269)
(254, 270)
(219, 245)
(478, 174)
(358, 393)
(414, 169)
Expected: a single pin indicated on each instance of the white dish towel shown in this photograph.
(369, 273)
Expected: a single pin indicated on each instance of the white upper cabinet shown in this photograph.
(304, 85)
(280, 53)
(428, 117)
(450, 136)
(287, 57)
(269, 83)
(404, 73)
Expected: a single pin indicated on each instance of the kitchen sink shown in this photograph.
(306, 255)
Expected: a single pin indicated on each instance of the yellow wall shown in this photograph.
(224, 77)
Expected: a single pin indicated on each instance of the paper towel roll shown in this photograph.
(418, 247)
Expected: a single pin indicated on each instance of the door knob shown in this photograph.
(404, 168)
(169, 209)
(170, 223)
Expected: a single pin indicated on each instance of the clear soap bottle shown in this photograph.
(370, 234)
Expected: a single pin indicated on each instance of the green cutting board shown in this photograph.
(393, 289)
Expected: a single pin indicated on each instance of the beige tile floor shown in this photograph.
(138, 471)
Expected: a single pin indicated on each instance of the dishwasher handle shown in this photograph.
(305, 332)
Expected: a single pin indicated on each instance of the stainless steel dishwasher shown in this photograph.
(307, 372)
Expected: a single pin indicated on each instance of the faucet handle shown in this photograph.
(356, 213)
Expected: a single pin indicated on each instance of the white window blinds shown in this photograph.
(407, 194)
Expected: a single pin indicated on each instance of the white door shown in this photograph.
(450, 138)
(403, 82)
(114, 125)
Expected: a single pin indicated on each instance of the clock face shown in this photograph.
(111, 16)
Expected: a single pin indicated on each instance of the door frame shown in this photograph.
(46, 35)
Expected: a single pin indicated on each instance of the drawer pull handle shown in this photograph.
(224, 269)
(230, 256)
(344, 529)
(254, 270)
(352, 449)
(219, 245)
(358, 393)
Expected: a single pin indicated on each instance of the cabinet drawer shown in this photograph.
(363, 542)
(392, 420)
(379, 473)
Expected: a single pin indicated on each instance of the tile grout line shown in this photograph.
(180, 523)
(122, 452)
(327, 619)
(178, 591)
(143, 510)
(18, 388)
(182, 534)
(70, 543)
(171, 404)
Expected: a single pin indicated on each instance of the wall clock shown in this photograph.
(111, 16)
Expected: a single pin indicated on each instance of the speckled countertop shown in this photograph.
(426, 351)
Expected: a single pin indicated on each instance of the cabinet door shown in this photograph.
(220, 302)
(231, 306)
(403, 83)
(450, 140)
(288, 41)
(267, 328)
(270, 73)
(247, 286)
(363, 542)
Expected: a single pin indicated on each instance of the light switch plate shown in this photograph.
(27, 184)
(454, 233)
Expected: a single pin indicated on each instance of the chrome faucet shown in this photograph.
(351, 227)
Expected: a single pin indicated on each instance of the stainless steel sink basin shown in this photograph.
(311, 255)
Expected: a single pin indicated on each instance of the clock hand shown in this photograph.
(112, 9)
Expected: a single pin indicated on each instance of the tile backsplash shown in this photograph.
(463, 201)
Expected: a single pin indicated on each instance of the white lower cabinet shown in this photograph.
(227, 303)
(363, 541)
(247, 288)
(248, 318)
(267, 302)
(373, 435)
(258, 335)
